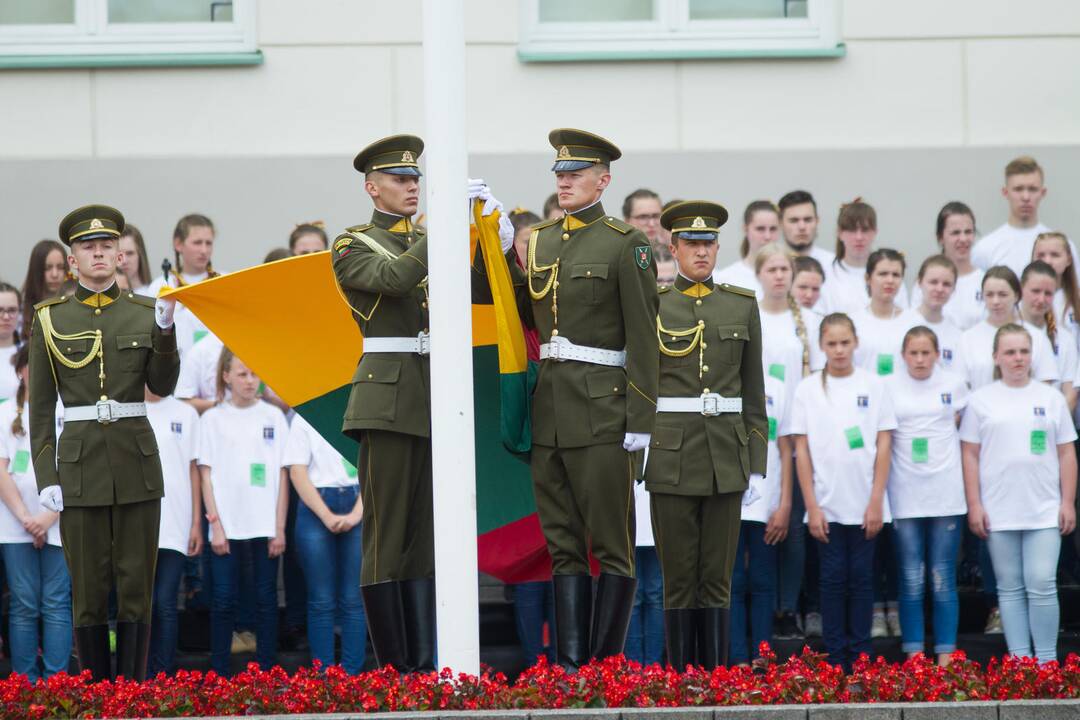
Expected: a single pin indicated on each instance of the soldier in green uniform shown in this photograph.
(591, 284)
(710, 435)
(96, 349)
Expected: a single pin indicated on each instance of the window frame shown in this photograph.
(673, 35)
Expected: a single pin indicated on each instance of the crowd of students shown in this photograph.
(902, 426)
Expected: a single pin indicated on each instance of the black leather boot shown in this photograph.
(92, 645)
(713, 631)
(418, 602)
(132, 649)
(573, 610)
(386, 624)
(680, 634)
(611, 614)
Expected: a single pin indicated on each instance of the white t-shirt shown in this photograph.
(978, 356)
(879, 342)
(845, 289)
(643, 534)
(925, 476)
(823, 256)
(1066, 318)
(740, 274)
(782, 351)
(762, 497)
(198, 370)
(950, 339)
(965, 306)
(1018, 431)
(326, 466)
(841, 423)
(1064, 347)
(1010, 246)
(245, 451)
(16, 450)
(176, 427)
(9, 381)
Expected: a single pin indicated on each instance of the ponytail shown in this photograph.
(20, 360)
(800, 332)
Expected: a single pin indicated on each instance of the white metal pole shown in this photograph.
(452, 444)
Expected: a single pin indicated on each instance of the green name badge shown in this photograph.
(854, 437)
(777, 371)
(350, 469)
(198, 335)
(920, 450)
(772, 428)
(21, 461)
(1038, 442)
(258, 475)
(884, 364)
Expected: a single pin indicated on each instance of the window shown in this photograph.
(126, 27)
(561, 30)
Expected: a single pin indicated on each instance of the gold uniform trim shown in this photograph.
(394, 165)
(93, 230)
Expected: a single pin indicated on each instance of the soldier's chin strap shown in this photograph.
(51, 336)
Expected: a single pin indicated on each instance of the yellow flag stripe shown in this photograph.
(512, 354)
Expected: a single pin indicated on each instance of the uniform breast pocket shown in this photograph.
(375, 388)
(589, 282)
(665, 451)
(133, 351)
(732, 341)
(72, 352)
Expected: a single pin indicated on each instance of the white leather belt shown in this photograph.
(421, 344)
(105, 411)
(562, 349)
(709, 404)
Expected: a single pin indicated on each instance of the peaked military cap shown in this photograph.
(694, 219)
(397, 155)
(577, 149)
(91, 222)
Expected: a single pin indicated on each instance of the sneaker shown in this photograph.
(878, 628)
(243, 642)
(813, 625)
(892, 621)
(993, 623)
(787, 627)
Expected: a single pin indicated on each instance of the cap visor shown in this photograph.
(570, 165)
(696, 236)
(103, 235)
(415, 172)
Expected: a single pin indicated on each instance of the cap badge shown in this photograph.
(95, 224)
(564, 152)
(407, 157)
(699, 222)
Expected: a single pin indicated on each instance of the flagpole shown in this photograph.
(452, 440)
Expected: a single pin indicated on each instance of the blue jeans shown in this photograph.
(40, 588)
(932, 542)
(755, 570)
(225, 580)
(791, 555)
(1025, 562)
(331, 564)
(534, 604)
(847, 593)
(645, 636)
(166, 627)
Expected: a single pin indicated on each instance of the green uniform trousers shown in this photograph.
(395, 484)
(696, 538)
(585, 500)
(106, 545)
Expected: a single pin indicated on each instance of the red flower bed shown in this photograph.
(614, 682)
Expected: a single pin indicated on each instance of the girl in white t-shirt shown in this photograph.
(246, 492)
(1001, 293)
(807, 280)
(845, 277)
(1020, 480)
(842, 420)
(10, 315)
(1038, 284)
(34, 565)
(956, 236)
(761, 226)
(1053, 249)
(766, 510)
(926, 489)
(936, 286)
(180, 535)
(881, 323)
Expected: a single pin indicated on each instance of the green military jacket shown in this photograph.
(591, 278)
(97, 464)
(690, 453)
(390, 391)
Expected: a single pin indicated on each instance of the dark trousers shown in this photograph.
(847, 593)
(696, 537)
(754, 573)
(225, 571)
(165, 628)
(534, 605)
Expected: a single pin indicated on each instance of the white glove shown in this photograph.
(632, 442)
(506, 233)
(474, 187)
(52, 499)
(163, 312)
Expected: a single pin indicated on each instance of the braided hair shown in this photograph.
(20, 360)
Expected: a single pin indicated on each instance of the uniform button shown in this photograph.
(131, 295)
(705, 368)
(566, 236)
(588, 273)
(69, 349)
(734, 334)
(704, 346)
(705, 390)
(615, 389)
(554, 333)
(134, 343)
(369, 376)
(423, 304)
(698, 301)
(97, 311)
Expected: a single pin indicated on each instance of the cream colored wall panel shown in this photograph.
(45, 114)
(864, 19)
(880, 95)
(1023, 91)
(351, 22)
(301, 101)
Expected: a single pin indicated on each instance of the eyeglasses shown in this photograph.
(654, 217)
(9, 311)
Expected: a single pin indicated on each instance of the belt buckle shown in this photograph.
(425, 343)
(554, 348)
(710, 405)
(104, 411)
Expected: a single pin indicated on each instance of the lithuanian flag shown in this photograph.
(288, 323)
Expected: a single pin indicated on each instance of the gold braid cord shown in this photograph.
(51, 336)
(378, 250)
(695, 334)
(552, 284)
